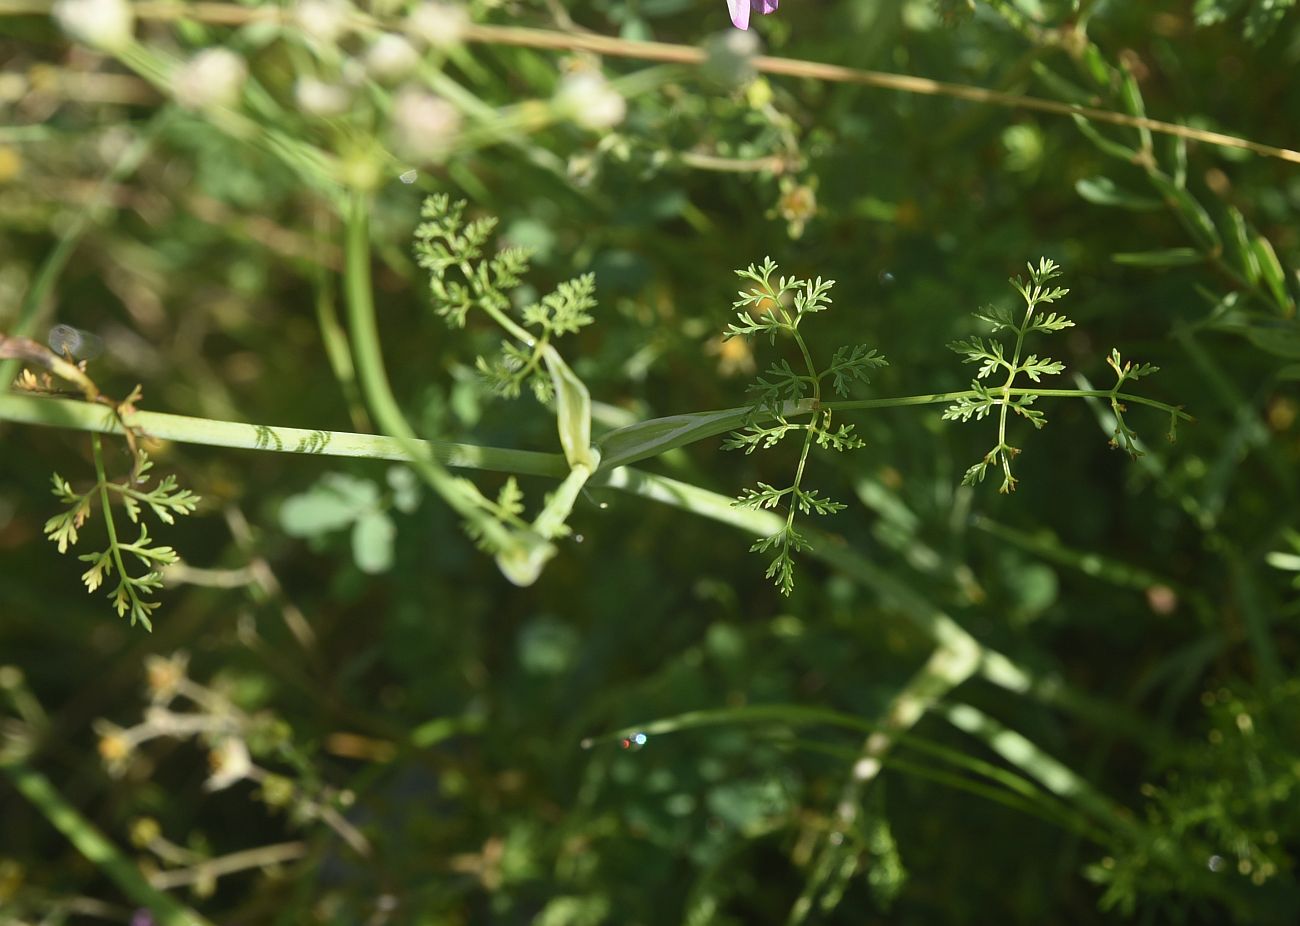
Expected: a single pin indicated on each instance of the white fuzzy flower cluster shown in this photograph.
(390, 58)
(587, 98)
(424, 126)
(108, 25)
(323, 21)
(212, 78)
(317, 97)
(438, 24)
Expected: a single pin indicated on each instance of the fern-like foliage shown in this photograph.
(992, 360)
(463, 276)
(165, 500)
(775, 305)
(1125, 372)
(999, 399)
(467, 275)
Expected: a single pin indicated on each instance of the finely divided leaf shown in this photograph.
(974, 350)
(1049, 323)
(851, 364)
(1035, 368)
(765, 496)
(998, 316)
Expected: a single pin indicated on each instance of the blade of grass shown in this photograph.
(97, 849)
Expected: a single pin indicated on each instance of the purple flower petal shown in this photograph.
(739, 13)
(740, 10)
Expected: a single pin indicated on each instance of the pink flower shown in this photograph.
(740, 10)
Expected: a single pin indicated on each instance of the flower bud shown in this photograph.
(323, 21)
(105, 24)
(588, 99)
(390, 58)
(424, 126)
(214, 77)
(439, 24)
(318, 98)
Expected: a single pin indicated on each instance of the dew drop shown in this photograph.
(633, 742)
(1215, 863)
(587, 742)
(886, 278)
(408, 177)
(578, 538)
(603, 505)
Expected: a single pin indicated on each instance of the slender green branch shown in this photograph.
(936, 398)
(115, 548)
(83, 416)
(948, 667)
(335, 340)
(1013, 368)
(1031, 797)
(994, 667)
(374, 378)
(637, 442)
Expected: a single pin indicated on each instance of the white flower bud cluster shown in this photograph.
(212, 78)
(424, 126)
(390, 58)
(438, 24)
(108, 25)
(317, 97)
(587, 98)
(323, 21)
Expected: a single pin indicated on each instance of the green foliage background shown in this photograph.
(1143, 763)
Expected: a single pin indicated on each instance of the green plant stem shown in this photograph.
(950, 664)
(518, 332)
(335, 340)
(374, 378)
(1033, 799)
(993, 666)
(662, 434)
(97, 849)
(84, 416)
(811, 433)
(1009, 481)
(110, 527)
(933, 398)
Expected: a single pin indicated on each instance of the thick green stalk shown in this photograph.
(374, 378)
(335, 341)
(632, 444)
(84, 416)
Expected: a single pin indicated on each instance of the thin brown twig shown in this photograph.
(794, 67)
(233, 15)
(261, 857)
(265, 578)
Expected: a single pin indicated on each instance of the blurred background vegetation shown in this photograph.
(329, 729)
